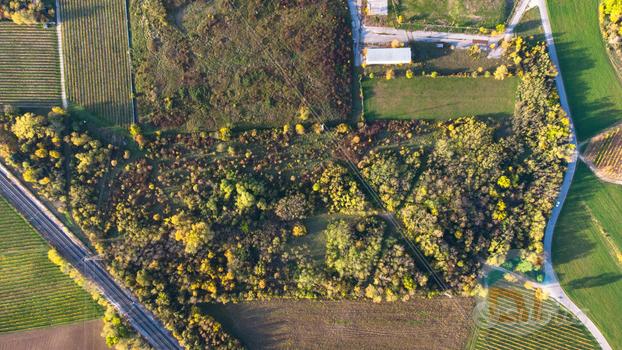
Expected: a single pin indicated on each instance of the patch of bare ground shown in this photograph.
(77, 336)
(437, 323)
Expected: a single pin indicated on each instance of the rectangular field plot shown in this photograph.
(34, 292)
(485, 13)
(96, 54)
(438, 98)
(420, 323)
(29, 66)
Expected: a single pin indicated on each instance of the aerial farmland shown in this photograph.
(334, 174)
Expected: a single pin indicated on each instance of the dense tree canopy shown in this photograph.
(189, 219)
(26, 11)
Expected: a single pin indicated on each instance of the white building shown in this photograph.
(399, 55)
(378, 7)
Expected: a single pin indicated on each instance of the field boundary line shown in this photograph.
(61, 58)
(129, 57)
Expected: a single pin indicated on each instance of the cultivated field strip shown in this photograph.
(29, 66)
(96, 55)
(605, 151)
(520, 321)
(33, 291)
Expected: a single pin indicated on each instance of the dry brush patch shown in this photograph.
(438, 323)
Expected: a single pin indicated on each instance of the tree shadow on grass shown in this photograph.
(569, 240)
(589, 115)
(595, 281)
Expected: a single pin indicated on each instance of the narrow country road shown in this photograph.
(70, 248)
(551, 282)
(375, 35)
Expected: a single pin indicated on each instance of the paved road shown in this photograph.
(551, 283)
(374, 35)
(355, 15)
(59, 237)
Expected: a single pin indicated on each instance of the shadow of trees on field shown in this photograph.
(253, 324)
(72, 13)
(589, 115)
(569, 242)
(595, 281)
(528, 26)
(110, 113)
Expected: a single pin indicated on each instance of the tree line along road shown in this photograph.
(59, 237)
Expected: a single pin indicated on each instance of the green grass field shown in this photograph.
(34, 293)
(485, 13)
(438, 98)
(97, 63)
(29, 66)
(594, 91)
(582, 254)
(584, 261)
(531, 26)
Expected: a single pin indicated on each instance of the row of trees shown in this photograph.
(116, 330)
(610, 15)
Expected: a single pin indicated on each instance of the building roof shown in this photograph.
(388, 56)
(378, 7)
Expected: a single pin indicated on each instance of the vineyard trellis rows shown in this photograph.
(96, 56)
(605, 151)
(34, 292)
(29, 66)
(518, 326)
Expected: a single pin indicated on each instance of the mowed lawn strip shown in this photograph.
(456, 12)
(593, 88)
(34, 292)
(584, 261)
(438, 98)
